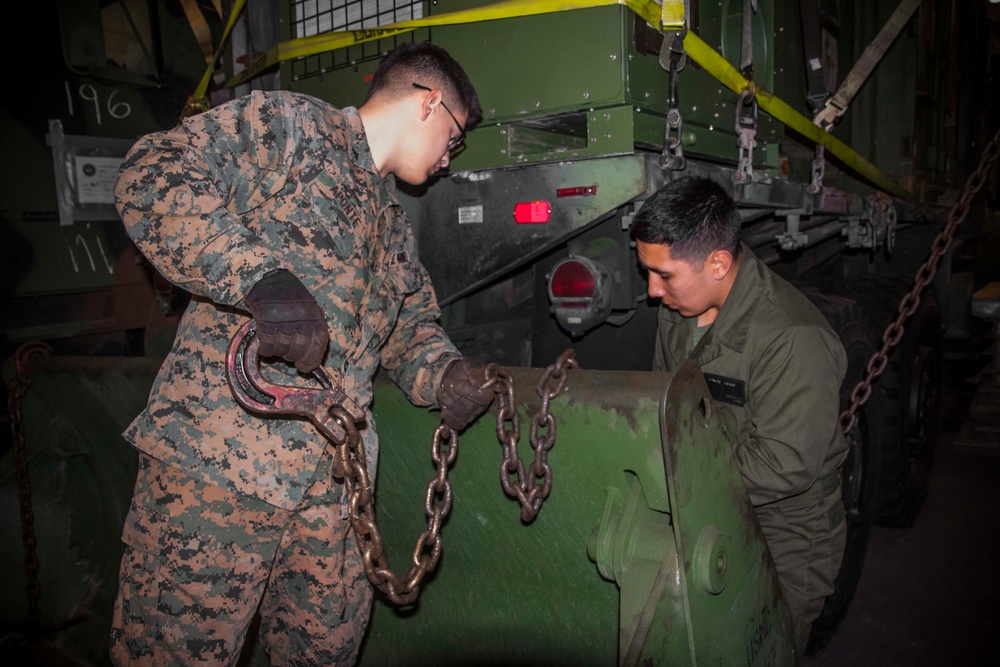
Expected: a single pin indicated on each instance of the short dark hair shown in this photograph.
(693, 215)
(428, 65)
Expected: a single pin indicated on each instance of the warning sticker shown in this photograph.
(470, 214)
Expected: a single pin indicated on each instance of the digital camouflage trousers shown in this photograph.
(201, 561)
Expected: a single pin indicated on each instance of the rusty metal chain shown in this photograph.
(351, 464)
(818, 169)
(514, 477)
(16, 390)
(672, 156)
(894, 332)
(339, 419)
(746, 134)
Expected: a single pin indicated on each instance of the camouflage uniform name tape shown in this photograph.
(669, 16)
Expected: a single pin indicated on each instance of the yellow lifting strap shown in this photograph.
(727, 75)
(198, 101)
(666, 16)
(199, 26)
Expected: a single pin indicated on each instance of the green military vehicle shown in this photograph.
(839, 127)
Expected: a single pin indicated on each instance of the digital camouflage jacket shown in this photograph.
(274, 180)
(778, 365)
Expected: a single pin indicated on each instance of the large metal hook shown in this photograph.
(255, 393)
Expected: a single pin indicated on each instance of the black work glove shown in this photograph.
(461, 394)
(290, 324)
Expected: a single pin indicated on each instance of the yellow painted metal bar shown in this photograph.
(667, 16)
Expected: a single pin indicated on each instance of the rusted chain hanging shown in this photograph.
(350, 464)
(942, 243)
(531, 491)
(16, 391)
(338, 418)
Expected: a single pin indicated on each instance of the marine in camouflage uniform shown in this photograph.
(772, 358)
(232, 509)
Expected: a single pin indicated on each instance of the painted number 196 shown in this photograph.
(117, 110)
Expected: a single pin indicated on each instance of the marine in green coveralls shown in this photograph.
(279, 207)
(770, 355)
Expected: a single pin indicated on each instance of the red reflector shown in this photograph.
(577, 192)
(532, 212)
(572, 279)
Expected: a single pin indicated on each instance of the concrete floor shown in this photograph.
(930, 594)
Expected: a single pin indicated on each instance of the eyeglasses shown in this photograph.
(456, 141)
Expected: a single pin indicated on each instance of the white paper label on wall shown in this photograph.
(95, 179)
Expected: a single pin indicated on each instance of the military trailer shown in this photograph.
(841, 130)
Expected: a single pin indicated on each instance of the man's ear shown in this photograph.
(720, 263)
(429, 102)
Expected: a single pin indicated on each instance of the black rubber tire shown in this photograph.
(905, 419)
(859, 472)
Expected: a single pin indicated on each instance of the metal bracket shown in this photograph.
(793, 237)
(876, 228)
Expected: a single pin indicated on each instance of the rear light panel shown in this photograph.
(532, 212)
(579, 191)
(572, 279)
(579, 294)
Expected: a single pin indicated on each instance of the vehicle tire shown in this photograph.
(905, 396)
(860, 470)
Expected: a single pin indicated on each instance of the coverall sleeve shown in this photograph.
(179, 192)
(794, 401)
(418, 349)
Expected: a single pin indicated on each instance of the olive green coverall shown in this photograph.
(773, 359)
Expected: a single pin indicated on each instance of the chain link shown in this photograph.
(746, 134)
(16, 391)
(351, 465)
(514, 476)
(818, 169)
(942, 243)
(673, 148)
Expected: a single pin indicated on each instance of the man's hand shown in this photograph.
(461, 394)
(290, 324)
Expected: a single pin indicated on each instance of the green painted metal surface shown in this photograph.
(645, 552)
(606, 573)
(729, 590)
(505, 592)
(571, 85)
